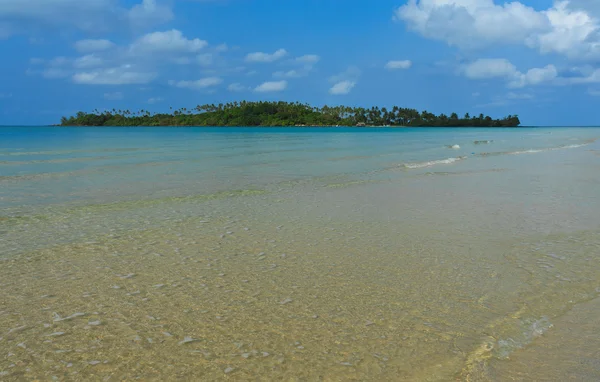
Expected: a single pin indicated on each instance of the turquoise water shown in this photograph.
(58, 165)
(341, 253)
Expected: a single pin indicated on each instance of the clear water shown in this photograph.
(299, 254)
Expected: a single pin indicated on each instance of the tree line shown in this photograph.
(284, 114)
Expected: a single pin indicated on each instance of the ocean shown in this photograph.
(377, 254)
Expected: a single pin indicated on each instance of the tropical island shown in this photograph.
(284, 114)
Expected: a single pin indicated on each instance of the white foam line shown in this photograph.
(416, 165)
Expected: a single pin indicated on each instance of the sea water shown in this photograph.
(299, 254)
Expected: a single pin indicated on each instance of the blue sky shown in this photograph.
(538, 59)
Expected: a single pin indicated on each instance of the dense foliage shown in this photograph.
(284, 114)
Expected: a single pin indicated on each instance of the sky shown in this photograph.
(538, 59)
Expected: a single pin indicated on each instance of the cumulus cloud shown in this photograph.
(290, 74)
(91, 46)
(502, 68)
(202, 83)
(567, 27)
(585, 77)
(535, 76)
(123, 75)
(345, 81)
(490, 68)
(88, 61)
(271, 86)
(470, 23)
(302, 65)
(308, 59)
(149, 12)
(401, 64)
(266, 57)
(171, 41)
(342, 87)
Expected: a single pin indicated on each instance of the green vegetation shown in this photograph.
(284, 114)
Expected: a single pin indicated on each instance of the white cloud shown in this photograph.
(402, 64)
(138, 62)
(342, 87)
(236, 87)
(90, 46)
(568, 27)
(308, 59)
(171, 41)
(587, 77)
(202, 83)
(149, 12)
(535, 76)
(113, 96)
(122, 75)
(490, 68)
(469, 23)
(289, 74)
(271, 86)
(266, 57)
(303, 66)
(88, 61)
(502, 68)
(344, 82)
(573, 32)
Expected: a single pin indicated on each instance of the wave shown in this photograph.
(416, 165)
(534, 151)
(424, 164)
(490, 347)
(530, 329)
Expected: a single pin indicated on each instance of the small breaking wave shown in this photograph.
(476, 361)
(534, 151)
(416, 165)
(530, 329)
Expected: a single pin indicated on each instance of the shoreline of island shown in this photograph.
(284, 114)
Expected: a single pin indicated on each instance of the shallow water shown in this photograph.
(299, 254)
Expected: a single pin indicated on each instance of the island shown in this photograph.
(284, 114)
